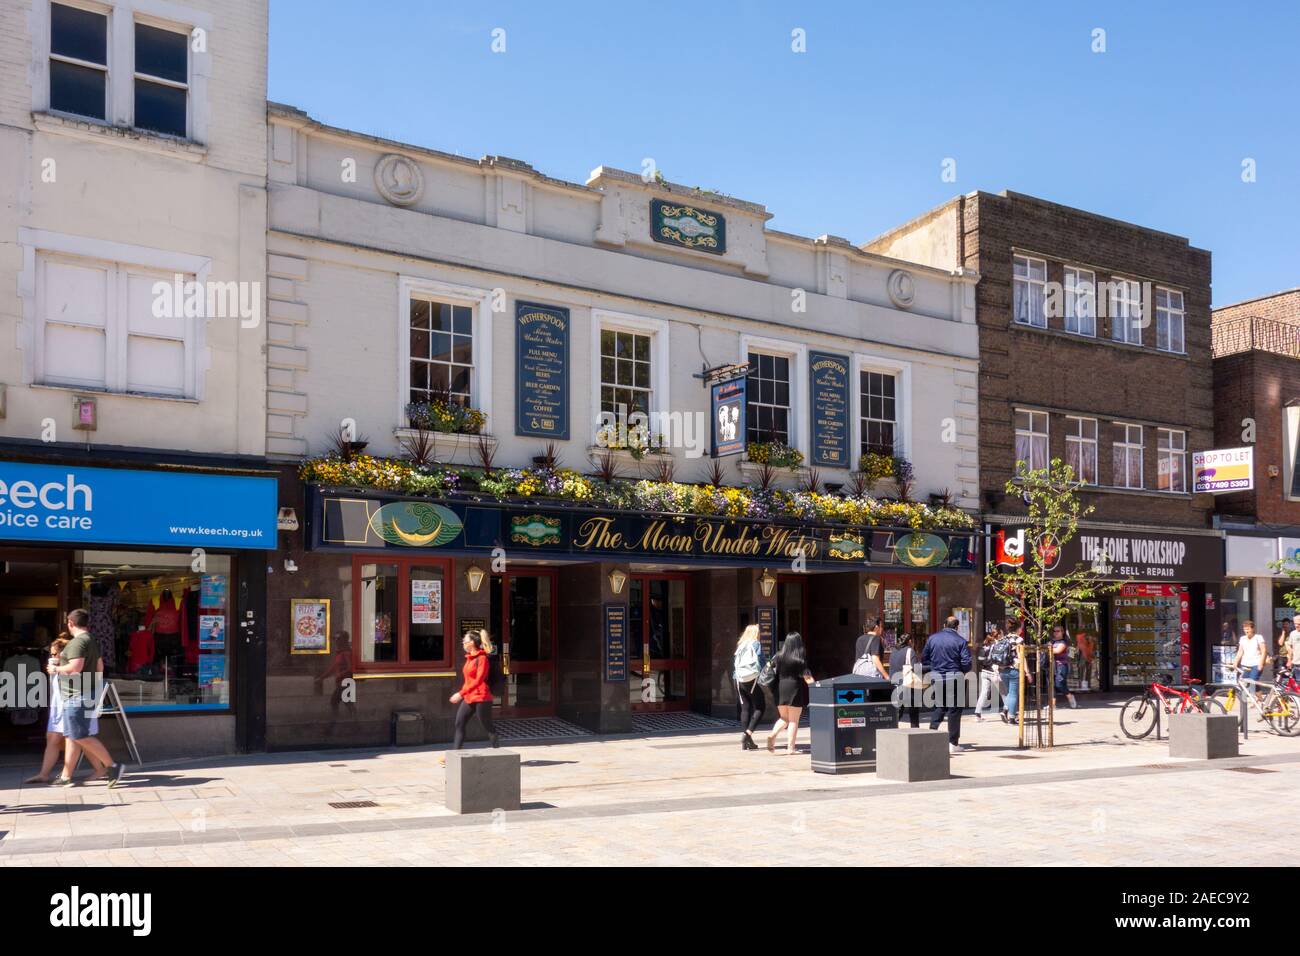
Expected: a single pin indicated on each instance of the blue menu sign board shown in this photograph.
(615, 643)
(541, 371)
(729, 418)
(767, 629)
(828, 378)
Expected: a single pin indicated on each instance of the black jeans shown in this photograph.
(484, 711)
(909, 704)
(949, 703)
(751, 704)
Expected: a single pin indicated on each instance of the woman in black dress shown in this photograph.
(793, 678)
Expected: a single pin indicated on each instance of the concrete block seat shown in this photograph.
(909, 755)
(480, 781)
(1203, 736)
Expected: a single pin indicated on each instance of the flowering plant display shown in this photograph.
(663, 497)
(440, 415)
(774, 453)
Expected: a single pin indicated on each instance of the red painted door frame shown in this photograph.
(509, 666)
(637, 667)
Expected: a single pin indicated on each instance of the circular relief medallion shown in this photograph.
(901, 288)
(399, 180)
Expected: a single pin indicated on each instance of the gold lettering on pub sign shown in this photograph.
(708, 538)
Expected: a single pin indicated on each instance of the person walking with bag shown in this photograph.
(746, 666)
(792, 679)
(907, 676)
(989, 678)
(1011, 670)
(867, 651)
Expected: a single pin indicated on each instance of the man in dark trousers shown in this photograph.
(947, 658)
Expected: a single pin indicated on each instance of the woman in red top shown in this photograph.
(474, 696)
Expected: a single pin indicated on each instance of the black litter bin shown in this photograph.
(844, 719)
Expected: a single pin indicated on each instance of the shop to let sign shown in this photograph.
(1222, 470)
(541, 371)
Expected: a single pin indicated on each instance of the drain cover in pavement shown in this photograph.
(538, 728)
(1016, 756)
(685, 720)
(1250, 770)
(353, 804)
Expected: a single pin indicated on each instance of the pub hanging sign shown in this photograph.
(728, 418)
(681, 224)
(542, 371)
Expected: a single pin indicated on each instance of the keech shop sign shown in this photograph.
(1223, 469)
(118, 506)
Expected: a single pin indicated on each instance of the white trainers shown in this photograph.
(1074, 704)
(954, 749)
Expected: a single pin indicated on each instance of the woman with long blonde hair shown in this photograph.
(747, 664)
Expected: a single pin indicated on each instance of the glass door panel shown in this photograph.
(658, 643)
(428, 630)
(523, 610)
(377, 640)
(790, 605)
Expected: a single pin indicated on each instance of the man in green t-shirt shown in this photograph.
(79, 669)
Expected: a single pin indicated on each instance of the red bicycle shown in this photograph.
(1139, 715)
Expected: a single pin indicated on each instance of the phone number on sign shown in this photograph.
(1235, 483)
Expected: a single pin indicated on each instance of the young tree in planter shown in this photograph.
(1039, 588)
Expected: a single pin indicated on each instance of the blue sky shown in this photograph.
(849, 137)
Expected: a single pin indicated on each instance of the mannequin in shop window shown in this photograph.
(166, 618)
(101, 604)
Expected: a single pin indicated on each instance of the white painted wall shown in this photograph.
(119, 195)
(339, 253)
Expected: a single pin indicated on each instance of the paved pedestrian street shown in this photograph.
(1101, 800)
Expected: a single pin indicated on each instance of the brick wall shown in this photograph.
(1280, 307)
(1054, 370)
(1257, 386)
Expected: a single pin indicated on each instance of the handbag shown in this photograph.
(911, 679)
(767, 676)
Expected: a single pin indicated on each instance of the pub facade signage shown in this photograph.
(542, 371)
(681, 224)
(828, 380)
(349, 520)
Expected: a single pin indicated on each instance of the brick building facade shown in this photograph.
(1095, 349)
(1257, 404)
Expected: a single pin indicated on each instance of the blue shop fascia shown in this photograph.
(168, 554)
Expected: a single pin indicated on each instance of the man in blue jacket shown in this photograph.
(947, 658)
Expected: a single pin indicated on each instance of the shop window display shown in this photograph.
(162, 627)
(1151, 634)
(1236, 608)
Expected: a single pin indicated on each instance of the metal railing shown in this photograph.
(1252, 333)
